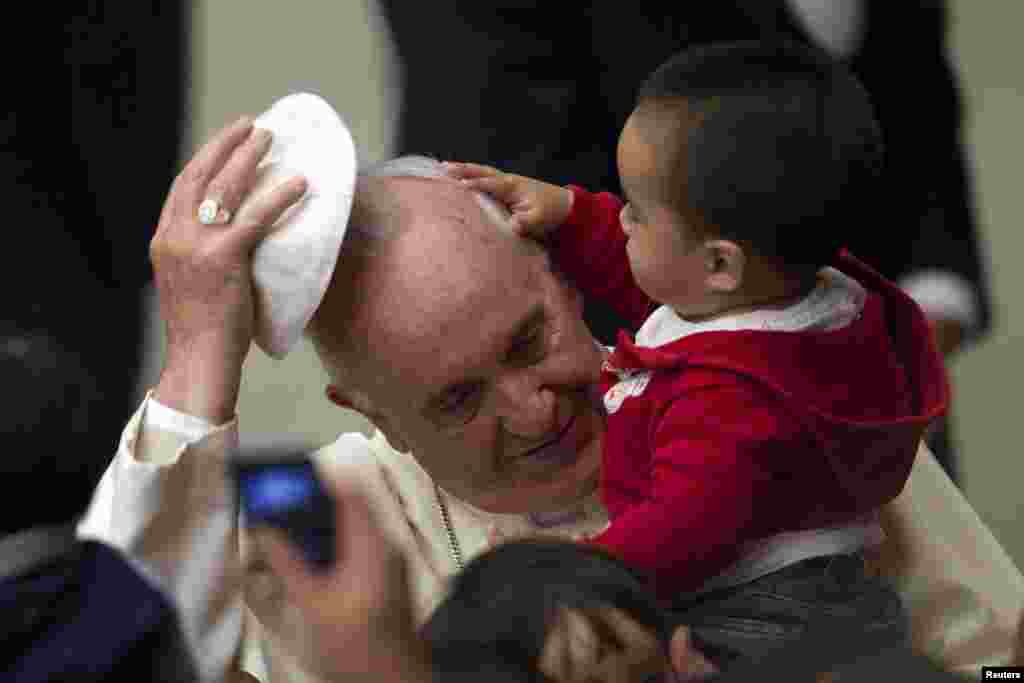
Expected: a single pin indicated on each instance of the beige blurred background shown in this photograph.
(247, 54)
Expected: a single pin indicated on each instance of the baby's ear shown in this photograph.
(726, 264)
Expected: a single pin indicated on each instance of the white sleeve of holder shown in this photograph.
(165, 503)
(942, 294)
(189, 427)
(836, 25)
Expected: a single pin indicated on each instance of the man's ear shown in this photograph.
(361, 403)
(725, 263)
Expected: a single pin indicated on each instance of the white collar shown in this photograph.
(834, 303)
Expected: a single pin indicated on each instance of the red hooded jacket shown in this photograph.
(740, 435)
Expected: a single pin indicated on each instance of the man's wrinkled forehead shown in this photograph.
(441, 201)
(449, 239)
(448, 269)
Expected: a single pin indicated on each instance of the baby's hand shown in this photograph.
(537, 207)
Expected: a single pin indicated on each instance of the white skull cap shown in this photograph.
(292, 267)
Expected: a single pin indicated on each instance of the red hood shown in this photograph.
(867, 390)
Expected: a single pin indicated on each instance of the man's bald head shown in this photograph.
(410, 225)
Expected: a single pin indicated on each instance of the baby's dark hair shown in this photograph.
(782, 149)
(502, 606)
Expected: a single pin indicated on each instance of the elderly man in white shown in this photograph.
(468, 354)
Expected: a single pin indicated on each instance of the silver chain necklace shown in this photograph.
(453, 541)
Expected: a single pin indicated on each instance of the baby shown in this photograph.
(776, 388)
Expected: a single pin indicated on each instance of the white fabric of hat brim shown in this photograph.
(293, 266)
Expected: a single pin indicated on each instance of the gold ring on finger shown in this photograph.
(210, 212)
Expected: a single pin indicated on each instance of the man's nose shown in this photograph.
(528, 408)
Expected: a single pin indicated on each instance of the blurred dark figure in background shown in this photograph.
(926, 236)
(537, 88)
(70, 610)
(555, 83)
(89, 143)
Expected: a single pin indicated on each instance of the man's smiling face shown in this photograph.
(474, 355)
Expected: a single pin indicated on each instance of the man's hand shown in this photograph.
(600, 645)
(360, 608)
(203, 272)
(537, 207)
(948, 334)
(608, 645)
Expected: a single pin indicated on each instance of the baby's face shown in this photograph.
(666, 251)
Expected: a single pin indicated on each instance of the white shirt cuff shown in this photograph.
(942, 294)
(188, 427)
(836, 25)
